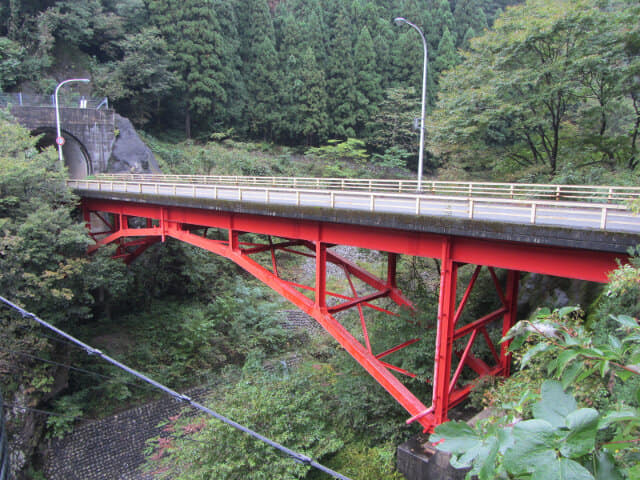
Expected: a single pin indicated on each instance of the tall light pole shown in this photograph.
(59, 139)
(399, 21)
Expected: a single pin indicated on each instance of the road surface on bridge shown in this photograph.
(605, 210)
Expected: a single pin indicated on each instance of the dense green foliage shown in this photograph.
(291, 72)
(551, 88)
(44, 268)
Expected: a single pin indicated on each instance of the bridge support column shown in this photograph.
(444, 336)
(446, 389)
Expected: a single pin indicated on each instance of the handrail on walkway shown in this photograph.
(603, 215)
(586, 193)
(41, 100)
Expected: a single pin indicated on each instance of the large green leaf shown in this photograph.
(555, 404)
(622, 415)
(625, 321)
(455, 437)
(583, 426)
(561, 469)
(532, 352)
(533, 445)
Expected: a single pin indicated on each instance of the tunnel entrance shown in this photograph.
(76, 157)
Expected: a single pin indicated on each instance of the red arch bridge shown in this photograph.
(577, 232)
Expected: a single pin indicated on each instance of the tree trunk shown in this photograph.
(187, 123)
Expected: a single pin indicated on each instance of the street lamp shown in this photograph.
(399, 21)
(59, 139)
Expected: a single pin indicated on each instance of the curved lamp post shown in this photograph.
(59, 140)
(399, 21)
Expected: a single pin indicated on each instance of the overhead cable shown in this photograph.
(296, 456)
(72, 368)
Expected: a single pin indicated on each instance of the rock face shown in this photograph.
(553, 292)
(129, 153)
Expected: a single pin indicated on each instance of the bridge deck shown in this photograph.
(596, 225)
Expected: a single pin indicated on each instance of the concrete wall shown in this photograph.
(88, 133)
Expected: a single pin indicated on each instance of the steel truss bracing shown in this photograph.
(134, 227)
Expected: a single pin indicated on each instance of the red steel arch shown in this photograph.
(109, 221)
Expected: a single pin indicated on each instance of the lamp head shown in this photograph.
(399, 20)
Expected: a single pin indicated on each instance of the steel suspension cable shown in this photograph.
(296, 456)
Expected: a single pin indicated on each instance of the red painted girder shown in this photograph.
(265, 248)
(549, 260)
(478, 366)
(126, 232)
(357, 301)
(463, 360)
(340, 296)
(444, 334)
(398, 369)
(397, 348)
(394, 293)
(370, 363)
(481, 322)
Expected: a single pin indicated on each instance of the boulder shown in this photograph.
(130, 154)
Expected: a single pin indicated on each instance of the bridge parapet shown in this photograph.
(607, 225)
(514, 191)
(40, 100)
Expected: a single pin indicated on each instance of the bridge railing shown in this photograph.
(586, 193)
(569, 214)
(65, 101)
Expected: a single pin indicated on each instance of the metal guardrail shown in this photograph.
(65, 101)
(4, 448)
(587, 193)
(569, 214)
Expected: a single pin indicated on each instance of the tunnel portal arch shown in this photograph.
(75, 154)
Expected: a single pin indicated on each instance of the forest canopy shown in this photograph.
(552, 87)
(289, 72)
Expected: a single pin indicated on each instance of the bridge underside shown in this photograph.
(134, 227)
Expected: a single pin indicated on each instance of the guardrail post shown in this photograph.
(417, 205)
(333, 200)
(603, 218)
(471, 208)
(372, 203)
(533, 212)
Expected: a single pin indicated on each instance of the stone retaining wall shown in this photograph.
(113, 448)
